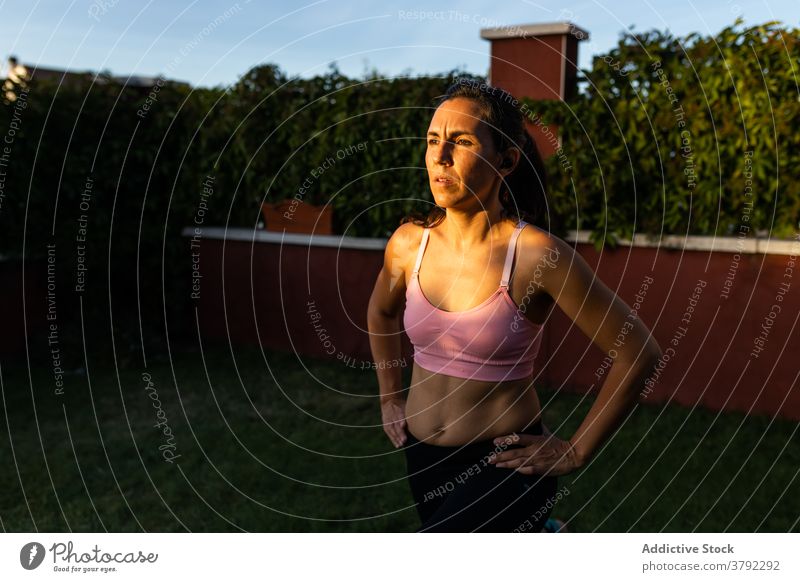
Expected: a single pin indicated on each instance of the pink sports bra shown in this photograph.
(493, 341)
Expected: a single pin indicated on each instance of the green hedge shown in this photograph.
(669, 132)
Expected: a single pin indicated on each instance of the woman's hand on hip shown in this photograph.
(537, 455)
(393, 412)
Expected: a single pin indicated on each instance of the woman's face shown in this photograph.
(461, 158)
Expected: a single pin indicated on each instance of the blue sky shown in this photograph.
(213, 43)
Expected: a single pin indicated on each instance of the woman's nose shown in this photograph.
(443, 156)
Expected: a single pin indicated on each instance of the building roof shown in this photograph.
(38, 72)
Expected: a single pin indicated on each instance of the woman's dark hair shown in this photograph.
(523, 191)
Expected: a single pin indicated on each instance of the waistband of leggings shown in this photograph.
(468, 450)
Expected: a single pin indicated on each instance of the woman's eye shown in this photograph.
(434, 141)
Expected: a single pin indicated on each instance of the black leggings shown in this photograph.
(457, 490)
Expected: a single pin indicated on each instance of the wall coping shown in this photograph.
(529, 30)
(726, 244)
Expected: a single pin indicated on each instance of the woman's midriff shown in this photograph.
(449, 411)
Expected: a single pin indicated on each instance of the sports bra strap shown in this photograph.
(425, 233)
(512, 245)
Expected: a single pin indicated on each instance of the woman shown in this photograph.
(478, 457)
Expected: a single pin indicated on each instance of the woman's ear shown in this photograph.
(509, 161)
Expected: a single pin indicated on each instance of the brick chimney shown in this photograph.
(538, 61)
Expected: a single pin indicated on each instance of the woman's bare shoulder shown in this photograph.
(406, 236)
(542, 248)
(554, 262)
(403, 243)
(537, 241)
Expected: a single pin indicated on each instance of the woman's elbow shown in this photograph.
(652, 352)
(645, 355)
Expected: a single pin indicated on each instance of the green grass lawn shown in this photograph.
(272, 443)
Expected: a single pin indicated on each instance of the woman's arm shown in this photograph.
(614, 328)
(383, 322)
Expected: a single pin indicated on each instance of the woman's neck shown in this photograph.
(466, 231)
